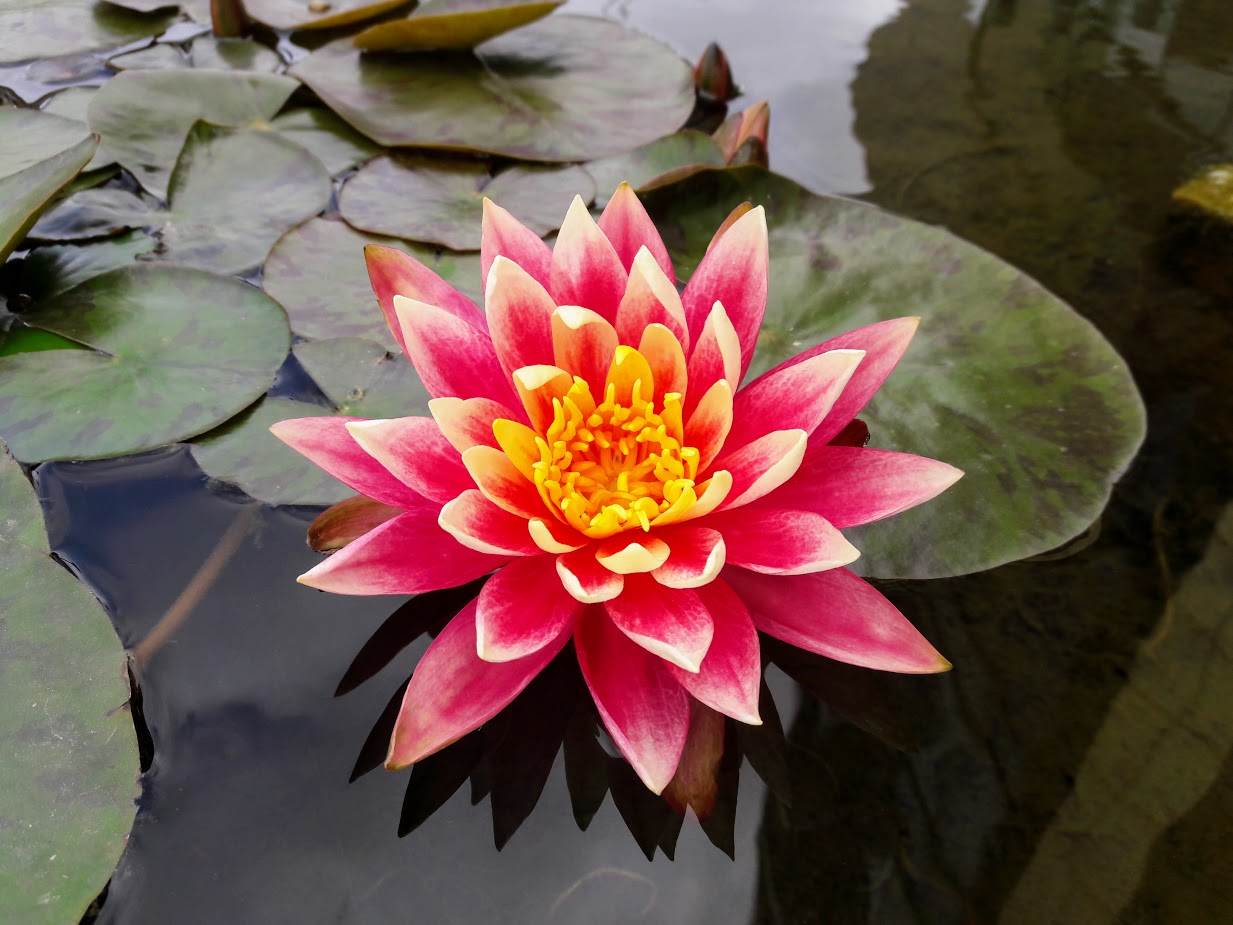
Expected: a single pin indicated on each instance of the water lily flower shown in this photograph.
(589, 447)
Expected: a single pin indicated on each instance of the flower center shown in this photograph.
(618, 464)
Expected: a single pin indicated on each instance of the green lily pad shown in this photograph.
(144, 117)
(362, 379)
(657, 163)
(69, 758)
(442, 202)
(39, 155)
(155, 58)
(227, 54)
(234, 192)
(72, 103)
(317, 273)
(336, 144)
(175, 352)
(453, 24)
(1003, 380)
(95, 213)
(52, 269)
(32, 29)
(317, 14)
(567, 88)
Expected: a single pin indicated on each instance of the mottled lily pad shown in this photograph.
(336, 144)
(175, 352)
(566, 88)
(453, 24)
(441, 201)
(317, 14)
(144, 117)
(69, 751)
(32, 29)
(1003, 380)
(227, 54)
(95, 213)
(658, 163)
(317, 273)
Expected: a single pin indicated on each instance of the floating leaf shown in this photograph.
(72, 103)
(56, 268)
(657, 163)
(144, 117)
(361, 379)
(39, 155)
(155, 58)
(69, 758)
(453, 24)
(234, 192)
(230, 54)
(317, 14)
(317, 273)
(566, 88)
(440, 201)
(1003, 380)
(32, 29)
(336, 144)
(95, 213)
(175, 352)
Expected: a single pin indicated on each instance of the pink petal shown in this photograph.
(838, 615)
(782, 542)
(502, 483)
(731, 673)
(394, 272)
(519, 316)
(760, 467)
(469, 422)
(585, 579)
(346, 521)
(522, 608)
(415, 451)
(698, 554)
(326, 441)
(716, 355)
(629, 229)
(734, 272)
(645, 711)
(407, 555)
(586, 270)
(850, 486)
(478, 524)
(583, 345)
(453, 691)
(502, 235)
(453, 359)
(650, 298)
(710, 423)
(666, 358)
(537, 386)
(673, 624)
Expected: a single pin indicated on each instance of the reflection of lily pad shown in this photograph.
(175, 352)
(317, 273)
(336, 144)
(455, 24)
(440, 201)
(69, 753)
(144, 116)
(317, 14)
(657, 163)
(1003, 380)
(41, 28)
(562, 89)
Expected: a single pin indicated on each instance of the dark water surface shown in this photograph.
(1076, 767)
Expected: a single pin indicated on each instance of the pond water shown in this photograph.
(1075, 767)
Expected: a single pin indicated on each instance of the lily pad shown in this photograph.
(144, 117)
(69, 758)
(317, 14)
(362, 379)
(228, 54)
(317, 273)
(56, 268)
(453, 24)
(336, 144)
(175, 352)
(72, 103)
(154, 58)
(442, 202)
(39, 155)
(95, 213)
(1003, 380)
(234, 192)
(657, 163)
(32, 29)
(567, 88)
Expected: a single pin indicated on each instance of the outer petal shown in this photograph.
(394, 272)
(346, 521)
(519, 316)
(629, 229)
(454, 691)
(453, 358)
(415, 451)
(645, 711)
(760, 467)
(502, 483)
(850, 485)
(782, 542)
(503, 235)
(734, 272)
(407, 555)
(716, 355)
(697, 555)
(326, 441)
(731, 673)
(469, 422)
(673, 624)
(585, 579)
(478, 524)
(586, 270)
(838, 615)
(583, 344)
(710, 423)
(522, 608)
(650, 298)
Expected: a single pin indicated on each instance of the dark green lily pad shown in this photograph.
(336, 144)
(441, 201)
(175, 352)
(144, 117)
(52, 269)
(32, 29)
(317, 273)
(69, 757)
(39, 155)
(234, 192)
(1003, 380)
(155, 58)
(317, 14)
(226, 54)
(95, 213)
(453, 24)
(567, 88)
(662, 161)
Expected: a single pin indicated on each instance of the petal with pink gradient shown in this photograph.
(502, 235)
(583, 344)
(669, 622)
(585, 579)
(415, 451)
(731, 673)
(522, 608)
(394, 272)
(468, 422)
(650, 298)
(550, 535)
(501, 483)
(453, 359)
(697, 555)
(716, 355)
(519, 316)
(454, 691)
(836, 614)
(664, 354)
(760, 467)
(586, 270)
(781, 542)
(629, 229)
(537, 387)
(710, 423)
(478, 524)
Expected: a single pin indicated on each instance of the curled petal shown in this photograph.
(415, 451)
(760, 467)
(346, 521)
(628, 555)
(630, 230)
(469, 422)
(650, 298)
(697, 555)
(522, 608)
(550, 535)
(453, 359)
(519, 316)
(668, 622)
(782, 542)
(711, 494)
(731, 674)
(394, 272)
(478, 524)
(502, 235)
(586, 270)
(583, 343)
(716, 355)
(585, 579)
